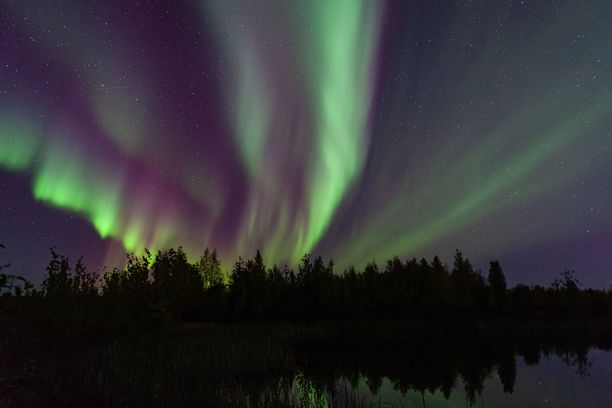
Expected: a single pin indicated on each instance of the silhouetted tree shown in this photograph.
(256, 273)
(304, 272)
(209, 268)
(497, 283)
(462, 283)
(371, 291)
(522, 301)
(84, 281)
(13, 285)
(247, 284)
(111, 281)
(279, 284)
(440, 278)
(567, 290)
(176, 285)
(127, 291)
(168, 286)
(58, 282)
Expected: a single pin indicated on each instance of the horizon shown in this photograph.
(227, 266)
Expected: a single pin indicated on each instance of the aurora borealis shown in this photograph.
(353, 129)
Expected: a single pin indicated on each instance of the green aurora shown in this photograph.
(346, 128)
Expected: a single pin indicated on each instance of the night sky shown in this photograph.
(352, 129)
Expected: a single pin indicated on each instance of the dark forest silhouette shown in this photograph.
(114, 339)
(166, 286)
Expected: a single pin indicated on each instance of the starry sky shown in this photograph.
(352, 129)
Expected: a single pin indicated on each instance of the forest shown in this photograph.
(163, 331)
(166, 287)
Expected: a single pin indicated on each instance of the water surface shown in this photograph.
(488, 372)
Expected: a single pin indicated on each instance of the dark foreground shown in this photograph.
(417, 333)
(317, 364)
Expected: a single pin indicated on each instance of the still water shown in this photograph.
(275, 367)
(490, 373)
(549, 383)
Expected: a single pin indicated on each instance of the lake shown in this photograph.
(554, 381)
(284, 365)
(483, 372)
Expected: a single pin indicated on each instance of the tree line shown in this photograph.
(167, 286)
